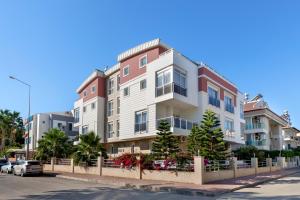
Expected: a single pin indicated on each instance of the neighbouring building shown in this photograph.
(150, 82)
(40, 123)
(264, 128)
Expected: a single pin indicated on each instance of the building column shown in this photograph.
(100, 162)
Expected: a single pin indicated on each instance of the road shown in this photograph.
(12, 187)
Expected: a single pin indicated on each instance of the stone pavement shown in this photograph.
(211, 189)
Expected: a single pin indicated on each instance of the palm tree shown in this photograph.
(55, 143)
(89, 148)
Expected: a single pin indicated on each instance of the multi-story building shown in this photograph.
(40, 123)
(291, 137)
(152, 82)
(263, 126)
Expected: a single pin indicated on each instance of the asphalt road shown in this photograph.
(12, 187)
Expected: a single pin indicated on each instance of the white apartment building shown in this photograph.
(40, 123)
(149, 83)
(264, 128)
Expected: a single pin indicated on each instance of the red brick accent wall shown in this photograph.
(100, 83)
(133, 62)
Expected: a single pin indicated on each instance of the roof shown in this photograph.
(142, 47)
(250, 106)
(95, 74)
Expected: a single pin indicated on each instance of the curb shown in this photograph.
(181, 191)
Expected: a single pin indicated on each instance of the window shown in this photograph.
(93, 89)
(110, 108)
(143, 61)
(213, 97)
(163, 83)
(229, 126)
(84, 109)
(228, 104)
(70, 126)
(180, 83)
(110, 130)
(76, 115)
(85, 93)
(118, 105)
(110, 86)
(85, 129)
(118, 128)
(143, 84)
(118, 82)
(242, 110)
(126, 91)
(93, 105)
(126, 71)
(59, 125)
(140, 121)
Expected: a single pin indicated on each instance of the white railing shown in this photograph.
(241, 164)
(177, 122)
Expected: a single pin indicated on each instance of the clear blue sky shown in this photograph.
(56, 44)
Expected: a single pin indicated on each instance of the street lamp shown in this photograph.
(29, 87)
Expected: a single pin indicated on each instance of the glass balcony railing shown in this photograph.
(177, 122)
(229, 108)
(256, 142)
(255, 126)
(170, 87)
(214, 101)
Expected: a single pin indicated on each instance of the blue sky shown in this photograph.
(56, 44)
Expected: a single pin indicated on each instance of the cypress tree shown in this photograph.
(165, 143)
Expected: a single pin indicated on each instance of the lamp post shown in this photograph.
(29, 88)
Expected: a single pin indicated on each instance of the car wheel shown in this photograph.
(22, 173)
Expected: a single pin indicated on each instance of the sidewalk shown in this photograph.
(211, 189)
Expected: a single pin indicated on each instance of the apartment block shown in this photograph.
(40, 123)
(149, 83)
(264, 128)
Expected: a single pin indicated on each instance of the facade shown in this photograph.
(149, 83)
(40, 123)
(291, 137)
(264, 128)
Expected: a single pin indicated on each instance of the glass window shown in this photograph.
(126, 71)
(94, 89)
(228, 104)
(213, 97)
(118, 128)
(229, 125)
(242, 110)
(118, 105)
(85, 129)
(143, 84)
(70, 126)
(93, 105)
(110, 108)
(180, 83)
(143, 61)
(126, 91)
(85, 93)
(118, 82)
(140, 121)
(110, 86)
(109, 129)
(84, 109)
(163, 83)
(76, 115)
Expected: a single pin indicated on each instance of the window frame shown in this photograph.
(110, 134)
(126, 67)
(92, 89)
(110, 112)
(143, 120)
(128, 91)
(145, 82)
(141, 58)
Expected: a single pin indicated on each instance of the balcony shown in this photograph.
(177, 122)
(256, 142)
(141, 127)
(171, 87)
(229, 108)
(255, 126)
(214, 101)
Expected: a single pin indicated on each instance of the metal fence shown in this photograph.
(241, 164)
(110, 163)
(262, 164)
(61, 161)
(217, 165)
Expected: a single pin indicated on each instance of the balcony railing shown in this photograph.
(255, 126)
(256, 142)
(142, 127)
(177, 122)
(214, 101)
(229, 108)
(171, 87)
(76, 120)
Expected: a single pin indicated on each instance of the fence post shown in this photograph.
(199, 169)
(72, 165)
(52, 163)
(269, 163)
(100, 164)
(139, 167)
(234, 166)
(254, 164)
(297, 161)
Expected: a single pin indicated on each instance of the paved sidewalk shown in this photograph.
(211, 189)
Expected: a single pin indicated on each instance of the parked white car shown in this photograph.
(26, 167)
(8, 168)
